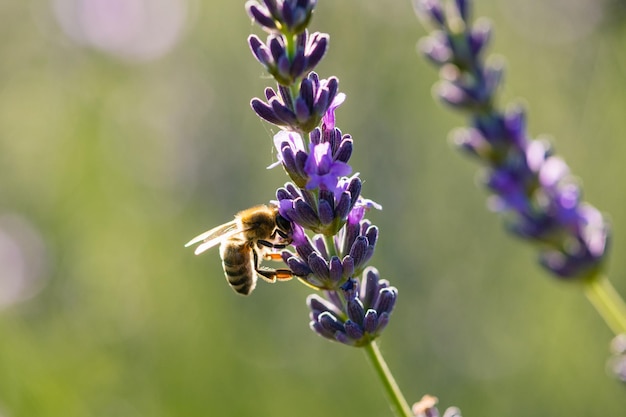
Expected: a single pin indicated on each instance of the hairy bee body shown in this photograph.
(238, 264)
(244, 241)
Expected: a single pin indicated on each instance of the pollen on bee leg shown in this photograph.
(271, 275)
(274, 256)
(284, 274)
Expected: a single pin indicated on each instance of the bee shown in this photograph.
(254, 234)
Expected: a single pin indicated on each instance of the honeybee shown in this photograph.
(252, 235)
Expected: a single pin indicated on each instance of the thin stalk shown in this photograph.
(607, 302)
(398, 402)
(331, 246)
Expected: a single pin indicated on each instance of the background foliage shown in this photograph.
(117, 146)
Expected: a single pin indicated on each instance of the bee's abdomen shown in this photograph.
(238, 266)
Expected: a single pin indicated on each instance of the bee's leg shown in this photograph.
(270, 274)
(273, 256)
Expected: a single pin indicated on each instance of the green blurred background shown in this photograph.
(125, 130)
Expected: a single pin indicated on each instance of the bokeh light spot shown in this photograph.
(22, 260)
(133, 30)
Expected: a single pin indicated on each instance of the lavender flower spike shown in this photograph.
(530, 184)
(331, 242)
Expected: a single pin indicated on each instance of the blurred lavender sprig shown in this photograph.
(426, 407)
(616, 365)
(530, 183)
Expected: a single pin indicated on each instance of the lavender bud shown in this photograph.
(322, 102)
(298, 267)
(305, 215)
(265, 112)
(342, 337)
(344, 150)
(343, 206)
(287, 14)
(316, 326)
(359, 250)
(480, 35)
(462, 7)
(370, 321)
(436, 48)
(319, 266)
(386, 300)
(454, 96)
(302, 110)
(452, 412)
(372, 235)
(431, 9)
(353, 330)
(369, 289)
(316, 136)
(354, 188)
(336, 272)
(298, 65)
(285, 95)
(348, 266)
(283, 113)
(320, 245)
(325, 207)
(355, 311)
(383, 321)
(316, 50)
(260, 15)
(259, 50)
(269, 93)
(318, 305)
(330, 322)
(472, 142)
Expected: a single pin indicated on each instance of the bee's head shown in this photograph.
(283, 224)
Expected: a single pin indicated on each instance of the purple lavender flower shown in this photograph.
(328, 265)
(285, 67)
(324, 172)
(533, 187)
(617, 363)
(323, 213)
(328, 120)
(357, 316)
(303, 112)
(282, 16)
(326, 164)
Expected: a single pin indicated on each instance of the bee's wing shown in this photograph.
(214, 236)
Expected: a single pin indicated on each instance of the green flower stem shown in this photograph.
(398, 403)
(331, 245)
(607, 302)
